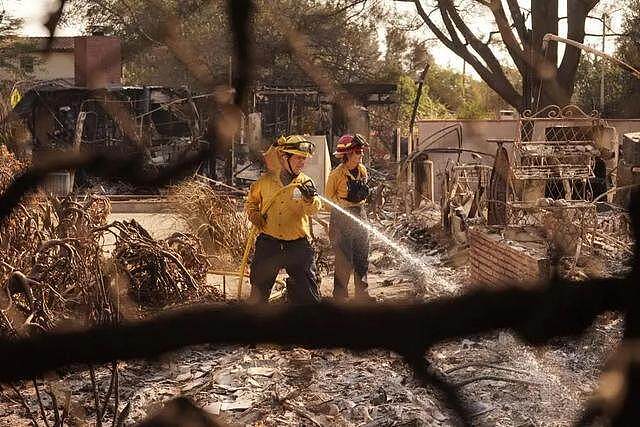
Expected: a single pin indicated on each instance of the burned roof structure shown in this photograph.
(287, 109)
(121, 119)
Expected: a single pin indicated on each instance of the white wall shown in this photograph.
(475, 134)
(56, 65)
(318, 166)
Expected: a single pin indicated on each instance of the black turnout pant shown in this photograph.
(296, 257)
(350, 243)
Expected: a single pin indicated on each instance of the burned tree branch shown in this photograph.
(577, 11)
(491, 73)
(537, 315)
(518, 20)
(516, 49)
(429, 377)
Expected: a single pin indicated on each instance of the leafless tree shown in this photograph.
(544, 82)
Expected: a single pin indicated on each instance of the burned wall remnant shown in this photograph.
(158, 123)
(497, 262)
(97, 61)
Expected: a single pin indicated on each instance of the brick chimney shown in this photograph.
(98, 61)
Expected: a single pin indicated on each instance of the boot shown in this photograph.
(363, 296)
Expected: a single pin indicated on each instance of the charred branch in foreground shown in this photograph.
(536, 315)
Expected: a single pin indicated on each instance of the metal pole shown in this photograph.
(604, 35)
(464, 72)
(416, 102)
(398, 152)
(545, 41)
(399, 179)
(409, 195)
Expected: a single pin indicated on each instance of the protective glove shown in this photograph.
(308, 190)
(357, 191)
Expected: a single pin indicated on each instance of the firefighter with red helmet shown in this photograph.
(347, 187)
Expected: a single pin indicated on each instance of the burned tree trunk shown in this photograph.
(544, 82)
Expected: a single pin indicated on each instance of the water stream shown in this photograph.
(402, 250)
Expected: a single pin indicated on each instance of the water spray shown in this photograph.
(403, 251)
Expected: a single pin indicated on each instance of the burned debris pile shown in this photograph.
(549, 200)
(55, 268)
(160, 272)
(49, 259)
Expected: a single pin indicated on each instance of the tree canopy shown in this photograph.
(618, 83)
(449, 21)
(10, 49)
(351, 47)
(346, 48)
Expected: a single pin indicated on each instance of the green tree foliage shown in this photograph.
(11, 132)
(620, 86)
(346, 48)
(629, 51)
(427, 107)
(10, 47)
(463, 96)
(588, 82)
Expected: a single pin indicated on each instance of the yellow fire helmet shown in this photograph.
(295, 144)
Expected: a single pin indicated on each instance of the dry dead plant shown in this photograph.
(215, 218)
(159, 272)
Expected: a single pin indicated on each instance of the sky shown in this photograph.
(480, 23)
(33, 13)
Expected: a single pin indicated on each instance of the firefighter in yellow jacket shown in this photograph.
(347, 187)
(290, 198)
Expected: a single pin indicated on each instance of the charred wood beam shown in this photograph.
(240, 12)
(560, 309)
